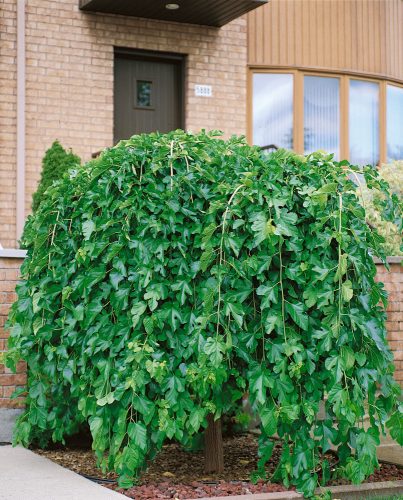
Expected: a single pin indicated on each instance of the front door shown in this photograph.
(147, 94)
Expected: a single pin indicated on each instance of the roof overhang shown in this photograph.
(203, 12)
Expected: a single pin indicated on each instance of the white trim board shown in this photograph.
(20, 174)
(12, 253)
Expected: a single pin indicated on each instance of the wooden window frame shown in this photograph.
(344, 93)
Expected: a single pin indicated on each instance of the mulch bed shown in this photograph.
(178, 474)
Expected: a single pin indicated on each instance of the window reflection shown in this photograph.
(394, 123)
(273, 110)
(321, 114)
(364, 122)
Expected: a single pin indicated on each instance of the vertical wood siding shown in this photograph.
(364, 36)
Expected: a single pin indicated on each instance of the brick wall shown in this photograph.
(9, 272)
(69, 82)
(9, 269)
(393, 282)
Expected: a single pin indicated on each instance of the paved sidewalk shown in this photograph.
(27, 476)
(392, 453)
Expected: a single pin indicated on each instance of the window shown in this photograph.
(364, 122)
(321, 114)
(354, 118)
(273, 109)
(143, 93)
(394, 123)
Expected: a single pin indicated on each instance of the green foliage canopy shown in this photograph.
(392, 173)
(56, 162)
(177, 272)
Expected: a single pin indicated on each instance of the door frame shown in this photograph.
(155, 56)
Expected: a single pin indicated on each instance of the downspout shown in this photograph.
(20, 174)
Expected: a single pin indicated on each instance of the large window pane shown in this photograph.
(364, 122)
(273, 110)
(394, 122)
(321, 114)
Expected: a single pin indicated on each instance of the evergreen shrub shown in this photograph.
(55, 163)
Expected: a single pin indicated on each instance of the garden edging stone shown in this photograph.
(344, 492)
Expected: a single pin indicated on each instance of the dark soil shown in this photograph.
(179, 474)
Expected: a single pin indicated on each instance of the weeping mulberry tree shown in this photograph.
(178, 272)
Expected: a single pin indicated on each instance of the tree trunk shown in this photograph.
(213, 449)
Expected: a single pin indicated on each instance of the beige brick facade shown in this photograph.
(69, 83)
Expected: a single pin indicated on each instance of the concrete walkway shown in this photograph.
(392, 453)
(27, 476)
